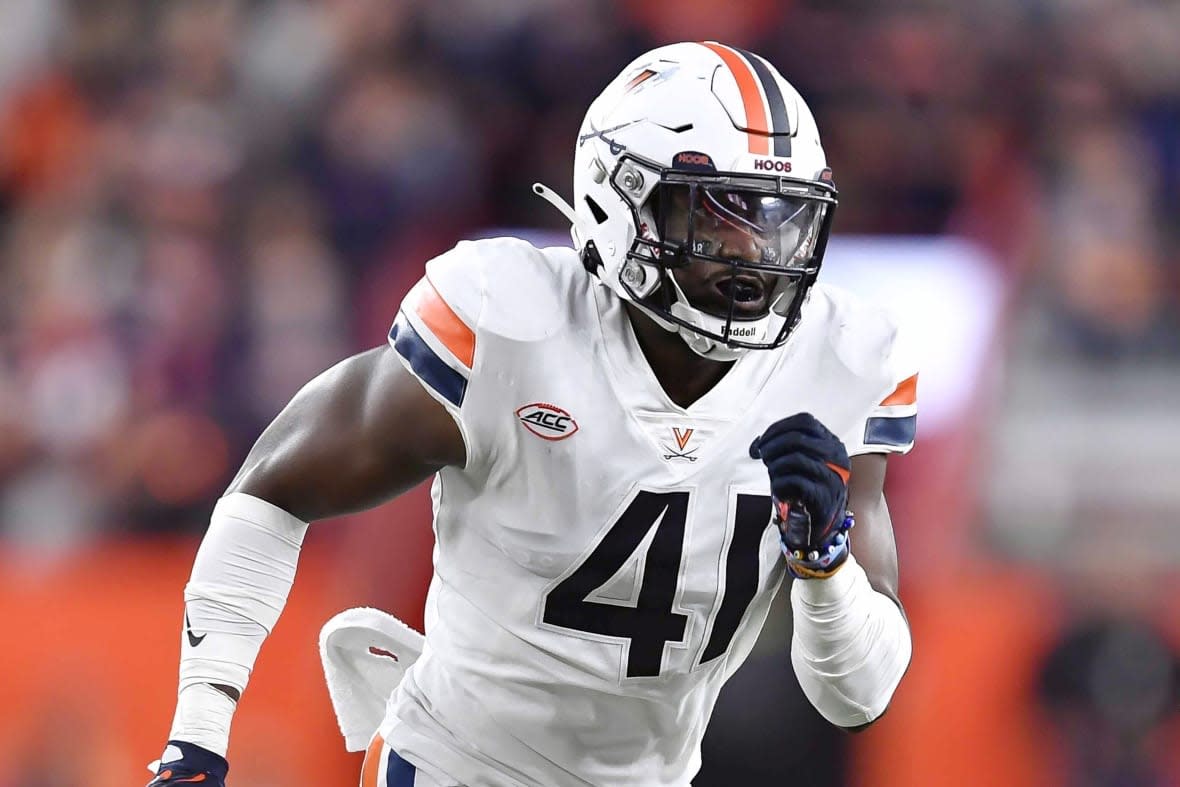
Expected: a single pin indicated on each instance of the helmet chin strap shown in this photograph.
(578, 230)
(701, 345)
(698, 343)
(710, 348)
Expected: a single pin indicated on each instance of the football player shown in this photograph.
(634, 443)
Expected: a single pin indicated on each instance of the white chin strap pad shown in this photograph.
(365, 653)
(704, 346)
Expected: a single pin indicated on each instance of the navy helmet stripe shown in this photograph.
(780, 122)
(426, 364)
(898, 432)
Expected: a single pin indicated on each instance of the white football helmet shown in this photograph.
(701, 153)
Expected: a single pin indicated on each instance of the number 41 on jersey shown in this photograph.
(652, 622)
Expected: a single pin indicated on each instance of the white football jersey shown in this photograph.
(605, 560)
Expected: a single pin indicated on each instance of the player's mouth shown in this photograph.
(747, 291)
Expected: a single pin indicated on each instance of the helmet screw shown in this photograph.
(633, 274)
(632, 181)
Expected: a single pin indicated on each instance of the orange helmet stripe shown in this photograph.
(757, 124)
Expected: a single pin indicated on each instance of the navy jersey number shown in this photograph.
(652, 623)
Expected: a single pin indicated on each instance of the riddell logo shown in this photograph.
(738, 331)
(772, 165)
(547, 421)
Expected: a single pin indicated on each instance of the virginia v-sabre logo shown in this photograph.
(682, 451)
(547, 421)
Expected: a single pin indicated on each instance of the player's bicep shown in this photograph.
(873, 541)
(357, 435)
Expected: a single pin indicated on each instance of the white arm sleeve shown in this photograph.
(850, 646)
(238, 588)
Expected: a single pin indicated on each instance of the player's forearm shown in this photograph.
(850, 648)
(238, 588)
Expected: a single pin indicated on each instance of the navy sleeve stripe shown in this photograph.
(898, 432)
(427, 365)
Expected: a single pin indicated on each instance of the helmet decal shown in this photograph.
(639, 79)
(693, 161)
(780, 122)
(766, 111)
(615, 147)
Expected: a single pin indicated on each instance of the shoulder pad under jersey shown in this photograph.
(514, 290)
(870, 343)
(503, 287)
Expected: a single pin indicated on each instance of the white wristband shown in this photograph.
(203, 716)
(238, 588)
(850, 647)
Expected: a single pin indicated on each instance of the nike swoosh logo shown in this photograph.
(193, 639)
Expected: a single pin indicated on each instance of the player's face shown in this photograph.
(711, 286)
(738, 245)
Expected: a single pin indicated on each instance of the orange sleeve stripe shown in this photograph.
(445, 324)
(906, 392)
(751, 98)
(372, 764)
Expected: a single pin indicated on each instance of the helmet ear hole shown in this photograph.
(652, 206)
(591, 259)
(652, 211)
(599, 214)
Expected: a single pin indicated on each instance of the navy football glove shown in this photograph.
(186, 763)
(809, 470)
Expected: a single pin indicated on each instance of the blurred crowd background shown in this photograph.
(203, 203)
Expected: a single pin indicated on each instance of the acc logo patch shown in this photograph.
(547, 421)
